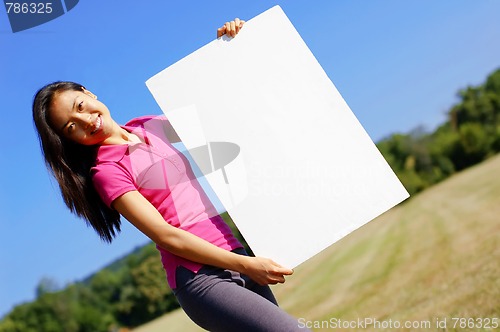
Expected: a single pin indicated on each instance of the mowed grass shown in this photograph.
(436, 256)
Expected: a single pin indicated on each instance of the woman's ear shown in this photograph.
(88, 93)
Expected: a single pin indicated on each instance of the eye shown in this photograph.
(71, 128)
(80, 106)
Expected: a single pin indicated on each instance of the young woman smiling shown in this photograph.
(105, 170)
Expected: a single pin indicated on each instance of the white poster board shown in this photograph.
(290, 162)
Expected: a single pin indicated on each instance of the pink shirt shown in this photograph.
(164, 177)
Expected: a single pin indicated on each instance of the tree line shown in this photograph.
(470, 134)
(133, 290)
(128, 293)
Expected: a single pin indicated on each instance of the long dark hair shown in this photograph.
(70, 165)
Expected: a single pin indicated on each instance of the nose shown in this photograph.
(84, 120)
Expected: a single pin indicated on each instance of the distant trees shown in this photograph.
(129, 292)
(69, 310)
(470, 135)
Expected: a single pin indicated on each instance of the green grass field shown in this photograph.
(435, 257)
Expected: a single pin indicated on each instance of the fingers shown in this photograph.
(221, 31)
(281, 269)
(278, 276)
(230, 29)
(274, 281)
(265, 271)
(278, 273)
(271, 280)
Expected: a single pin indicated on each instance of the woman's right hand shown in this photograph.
(265, 271)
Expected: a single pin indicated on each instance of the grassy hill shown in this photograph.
(436, 256)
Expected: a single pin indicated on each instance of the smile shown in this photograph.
(98, 124)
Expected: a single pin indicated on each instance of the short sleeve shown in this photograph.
(111, 180)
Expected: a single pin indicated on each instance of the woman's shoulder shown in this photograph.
(140, 121)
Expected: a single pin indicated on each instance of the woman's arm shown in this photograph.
(144, 216)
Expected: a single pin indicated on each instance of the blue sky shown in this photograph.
(398, 64)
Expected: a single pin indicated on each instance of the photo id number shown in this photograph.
(29, 8)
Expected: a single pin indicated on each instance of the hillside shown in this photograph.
(433, 257)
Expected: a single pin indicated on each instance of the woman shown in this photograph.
(105, 170)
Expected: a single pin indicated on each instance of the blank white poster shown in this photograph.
(287, 157)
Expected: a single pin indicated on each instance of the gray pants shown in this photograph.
(224, 300)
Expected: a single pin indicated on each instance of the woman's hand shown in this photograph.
(264, 271)
(230, 29)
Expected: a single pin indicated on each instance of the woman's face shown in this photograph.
(80, 117)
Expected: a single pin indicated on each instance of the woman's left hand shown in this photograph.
(230, 29)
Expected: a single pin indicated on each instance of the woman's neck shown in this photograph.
(119, 136)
